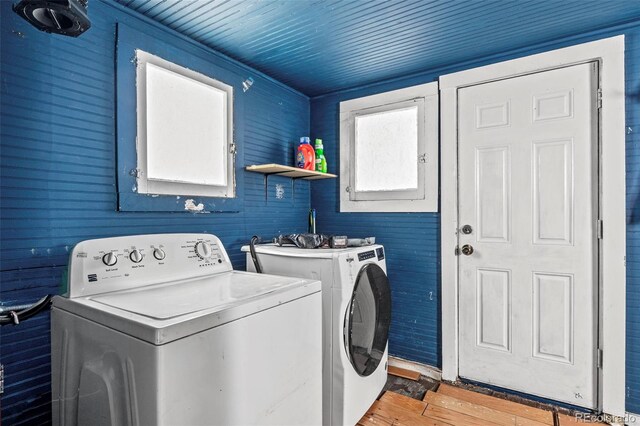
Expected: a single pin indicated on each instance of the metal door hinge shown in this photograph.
(1, 379)
(599, 229)
(232, 149)
(599, 358)
(422, 158)
(599, 98)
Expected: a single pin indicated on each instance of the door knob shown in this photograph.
(467, 249)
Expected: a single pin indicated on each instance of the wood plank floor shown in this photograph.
(452, 406)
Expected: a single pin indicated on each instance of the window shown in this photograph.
(389, 151)
(185, 131)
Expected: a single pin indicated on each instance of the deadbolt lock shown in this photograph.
(467, 229)
(467, 249)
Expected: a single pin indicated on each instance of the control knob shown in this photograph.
(135, 256)
(159, 254)
(203, 250)
(110, 259)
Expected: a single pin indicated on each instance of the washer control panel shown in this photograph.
(109, 264)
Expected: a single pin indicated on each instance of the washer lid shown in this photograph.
(177, 299)
(162, 313)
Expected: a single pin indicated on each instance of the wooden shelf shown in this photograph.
(288, 171)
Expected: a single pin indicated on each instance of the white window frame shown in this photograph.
(425, 198)
(609, 53)
(145, 185)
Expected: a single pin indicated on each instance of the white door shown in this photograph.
(528, 191)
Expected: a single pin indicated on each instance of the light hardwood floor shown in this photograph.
(450, 405)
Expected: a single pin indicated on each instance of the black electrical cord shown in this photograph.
(16, 317)
(252, 248)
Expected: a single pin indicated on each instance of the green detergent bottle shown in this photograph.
(321, 161)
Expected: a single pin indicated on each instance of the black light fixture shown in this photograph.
(66, 17)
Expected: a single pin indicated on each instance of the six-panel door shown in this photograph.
(528, 189)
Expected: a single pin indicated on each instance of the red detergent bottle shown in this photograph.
(306, 156)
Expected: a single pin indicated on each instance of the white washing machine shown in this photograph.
(356, 305)
(159, 330)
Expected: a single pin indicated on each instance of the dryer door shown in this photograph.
(367, 319)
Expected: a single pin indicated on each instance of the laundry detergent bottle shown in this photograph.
(321, 161)
(306, 157)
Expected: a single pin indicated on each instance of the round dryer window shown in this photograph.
(367, 320)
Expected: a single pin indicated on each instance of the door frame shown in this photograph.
(609, 52)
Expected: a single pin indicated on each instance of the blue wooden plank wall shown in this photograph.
(632, 81)
(58, 174)
(413, 240)
(58, 183)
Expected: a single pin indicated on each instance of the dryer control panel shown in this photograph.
(370, 254)
(109, 264)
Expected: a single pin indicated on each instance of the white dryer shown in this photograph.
(159, 330)
(356, 306)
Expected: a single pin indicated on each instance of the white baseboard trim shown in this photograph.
(426, 370)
